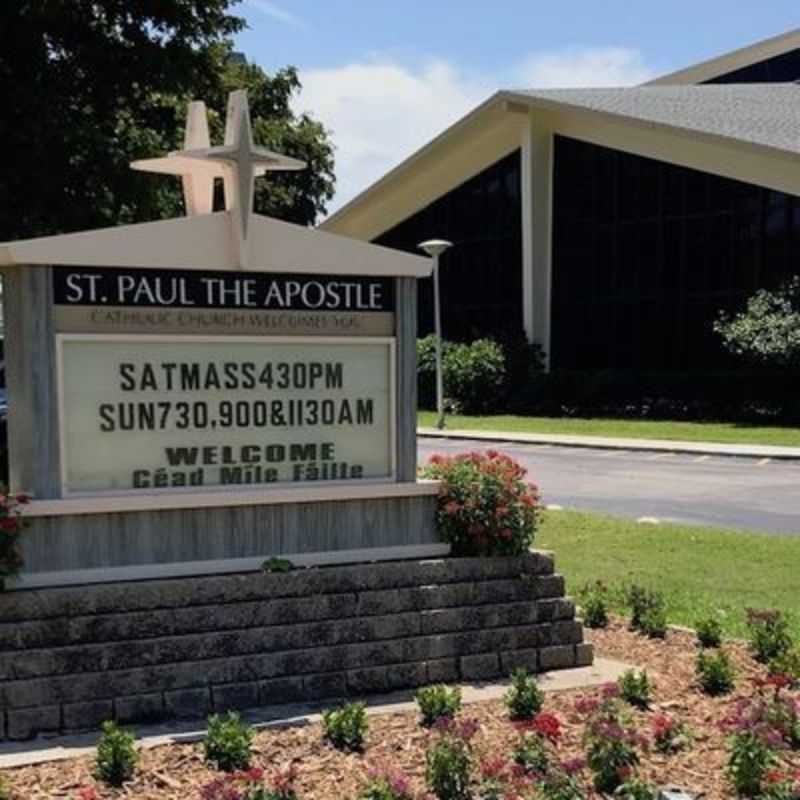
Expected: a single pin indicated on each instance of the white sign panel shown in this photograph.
(151, 413)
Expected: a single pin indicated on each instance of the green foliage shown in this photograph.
(634, 688)
(648, 611)
(481, 376)
(532, 754)
(276, 564)
(229, 742)
(438, 702)
(524, 699)
(112, 84)
(484, 505)
(116, 755)
(346, 727)
(769, 634)
(449, 761)
(670, 735)
(636, 789)
(788, 664)
(594, 604)
(715, 672)
(386, 783)
(750, 759)
(709, 632)
(768, 330)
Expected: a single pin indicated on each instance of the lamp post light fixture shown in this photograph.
(434, 248)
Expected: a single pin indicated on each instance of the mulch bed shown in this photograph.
(176, 772)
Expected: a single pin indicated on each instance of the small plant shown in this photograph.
(116, 755)
(788, 665)
(778, 784)
(253, 784)
(751, 757)
(709, 632)
(532, 752)
(771, 711)
(228, 743)
(485, 506)
(648, 611)
(276, 564)
(386, 783)
(769, 634)
(594, 605)
(12, 524)
(636, 789)
(524, 699)
(438, 702)
(634, 688)
(562, 781)
(669, 735)
(715, 672)
(500, 780)
(346, 727)
(609, 739)
(449, 761)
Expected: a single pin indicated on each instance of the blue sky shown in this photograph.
(386, 77)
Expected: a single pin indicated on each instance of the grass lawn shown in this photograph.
(728, 433)
(700, 570)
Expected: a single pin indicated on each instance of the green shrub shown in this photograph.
(524, 699)
(228, 743)
(634, 688)
(474, 376)
(750, 760)
(715, 672)
(648, 611)
(484, 505)
(449, 761)
(709, 632)
(594, 605)
(277, 565)
(438, 702)
(769, 634)
(532, 754)
(346, 727)
(116, 755)
(636, 789)
(788, 664)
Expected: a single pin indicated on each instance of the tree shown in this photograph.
(767, 332)
(89, 87)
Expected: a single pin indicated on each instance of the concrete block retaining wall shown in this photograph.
(144, 651)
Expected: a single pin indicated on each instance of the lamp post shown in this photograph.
(434, 248)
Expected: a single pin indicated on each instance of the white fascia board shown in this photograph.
(732, 61)
(204, 241)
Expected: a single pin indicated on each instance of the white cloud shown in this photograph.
(277, 13)
(381, 111)
(583, 67)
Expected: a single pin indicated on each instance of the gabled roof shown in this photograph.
(732, 61)
(761, 114)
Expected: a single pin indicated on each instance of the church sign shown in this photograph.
(205, 392)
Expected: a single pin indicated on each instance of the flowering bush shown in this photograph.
(669, 734)
(533, 750)
(769, 634)
(771, 711)
(501, 780)
(779, 784)
(524, 698)
(386, 783)
(562, 781)
(253, 784)
(609, 739)
(11, 526)
(449, 761)
(485, 506)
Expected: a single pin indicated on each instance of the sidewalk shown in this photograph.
(608, 443)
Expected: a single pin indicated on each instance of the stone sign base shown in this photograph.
(146, 651)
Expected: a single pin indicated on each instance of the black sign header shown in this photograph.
(150, 288)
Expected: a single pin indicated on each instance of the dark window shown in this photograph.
(481, 276)
(784, 68)
(640, 276)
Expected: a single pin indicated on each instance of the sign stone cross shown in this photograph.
(238, 162)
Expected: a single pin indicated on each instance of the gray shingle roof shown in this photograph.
(765, 114)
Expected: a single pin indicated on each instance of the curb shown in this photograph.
(771, 452)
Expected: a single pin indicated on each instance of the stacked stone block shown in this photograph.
(153, 650)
